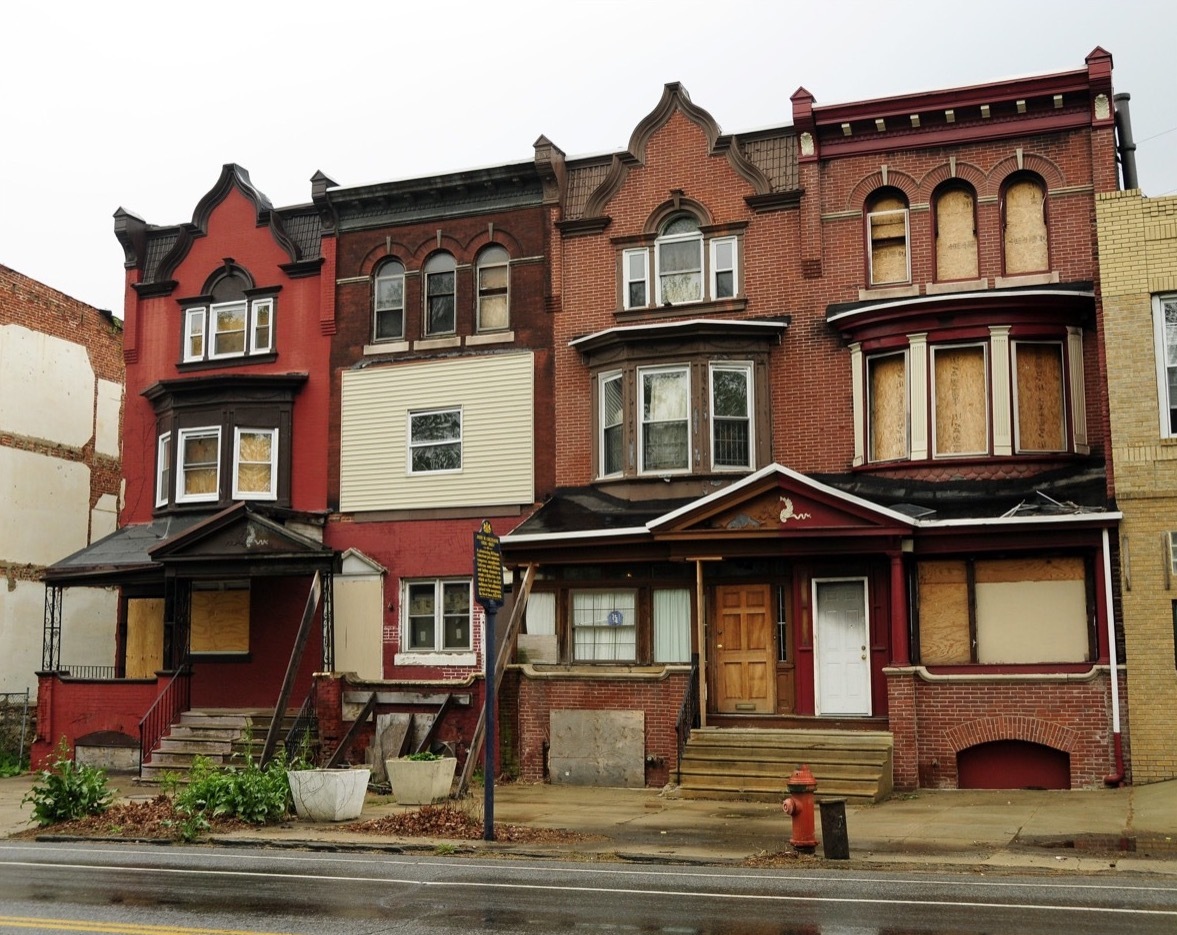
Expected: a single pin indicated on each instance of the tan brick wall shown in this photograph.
(1138, 258)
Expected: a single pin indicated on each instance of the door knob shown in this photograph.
(719, 645)
(864, 655)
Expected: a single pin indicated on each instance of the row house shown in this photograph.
(831, 437)
(795, 439)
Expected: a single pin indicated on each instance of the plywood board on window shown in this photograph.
(359, 625)
(962, 400)
(144, 637)
(1032, 621)
(888, 407)
(1025, 229)
(1040, 397)
(956, 236)
(220, 621)
(944, 613)
(1061, 568)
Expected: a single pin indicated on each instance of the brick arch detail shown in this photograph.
(502, 238)
(900, 180)
(1051, 174)
(965, 172)
(378, 254)
(1012, 727)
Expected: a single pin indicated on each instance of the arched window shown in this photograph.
(887, 237)
(956, 232)
(440, 290)
(388, 310)
(494, 281)
(1023, 216)
(678, 258)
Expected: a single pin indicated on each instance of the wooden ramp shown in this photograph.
(754, 764)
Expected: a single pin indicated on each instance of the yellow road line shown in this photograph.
(82, 925)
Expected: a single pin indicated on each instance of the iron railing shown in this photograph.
(300, 739)
(105, 673)
(162, 714)
(688, 713)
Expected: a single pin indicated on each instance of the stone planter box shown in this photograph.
(328, 794)
(421, 782)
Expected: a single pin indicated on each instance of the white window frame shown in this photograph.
(642, 373)
(695, 237)
(627, 280)
(613, 376)
(227, 308)
(413, 445)
(195, 327)
(716, 269)
(261, 340)
(182, 436)
(163, 468)
(870, 244)
(745, 368)
(272, 493)
(1166, 401)
(481, 264)
(389, 269)
(440, 586)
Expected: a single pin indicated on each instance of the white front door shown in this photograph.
(841, 648)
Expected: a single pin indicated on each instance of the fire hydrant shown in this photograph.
(799, 807)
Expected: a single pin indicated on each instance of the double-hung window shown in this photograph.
(163, 469)
(435, 441)
(687, 267)
(665, 419)
(604, 626)
(731, 415)
(887, 239)
(194, 325)
(678, 257)
(388, 314)
(440, 286)
(229, 329)
(494, 279)
(438, 616)
(199, 467)
(612, 415)
(636, 278)
(255, 464)
(724, 274)
(1165, 340)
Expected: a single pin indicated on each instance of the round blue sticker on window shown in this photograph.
(615, 618)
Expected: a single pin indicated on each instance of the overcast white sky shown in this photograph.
(138, 104)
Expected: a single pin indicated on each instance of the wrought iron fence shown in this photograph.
(14, 728)
(87, 672)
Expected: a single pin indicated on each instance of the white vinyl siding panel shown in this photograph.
(496, 396)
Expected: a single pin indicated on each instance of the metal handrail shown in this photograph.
(304, 728)
(175, 697)
(688, 713)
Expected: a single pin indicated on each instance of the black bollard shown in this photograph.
(834, 843)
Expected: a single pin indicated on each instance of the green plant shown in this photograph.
(10, 765)
(423, 755)
(251, 792)
(445, 850)
(66, 790)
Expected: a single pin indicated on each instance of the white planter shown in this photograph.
(421, 782)
(328, 794)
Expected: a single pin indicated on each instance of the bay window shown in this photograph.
(612, 426)
(663, 430)
(731, 415)
(198, 471)
(255, 464)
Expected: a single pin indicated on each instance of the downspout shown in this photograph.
(1125, 145)
(1116, 778)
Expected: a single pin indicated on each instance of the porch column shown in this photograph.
(51, 637)
(328, 660)
(702, 615)
(900, 636)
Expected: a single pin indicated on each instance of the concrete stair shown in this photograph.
(753, 764)
(225, 735)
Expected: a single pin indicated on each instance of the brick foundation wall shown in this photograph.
(72, 709)
(531, 700)
(933, 721)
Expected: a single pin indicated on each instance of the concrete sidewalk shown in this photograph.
(1133, 828)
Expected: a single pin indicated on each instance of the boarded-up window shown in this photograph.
(220, 618)
(962, 400)
(1025, 228)
(886, 226)
(944, 613)
(1040, 412)
(1032, 610)
(887, 386)
(956, 234)
(144, 651)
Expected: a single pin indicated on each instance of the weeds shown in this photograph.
(251, 792)
(67, 790)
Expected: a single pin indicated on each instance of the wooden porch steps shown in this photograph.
(754, 764)
(224, 735)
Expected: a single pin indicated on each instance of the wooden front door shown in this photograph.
(744, 655)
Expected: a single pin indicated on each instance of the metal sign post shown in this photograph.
(488, 591)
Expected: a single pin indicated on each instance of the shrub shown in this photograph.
(251, 792)
(66, 790)
(423, 755)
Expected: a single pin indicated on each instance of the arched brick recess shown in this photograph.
(659, 215)
(965, 172)
(1051, 174)
(905, 183)
(482, 239)
(378, 253)
(1011, 727)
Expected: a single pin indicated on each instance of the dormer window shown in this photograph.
(237, 322)
(688, 266)
(678, 256)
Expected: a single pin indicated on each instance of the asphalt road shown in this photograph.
(145, 890)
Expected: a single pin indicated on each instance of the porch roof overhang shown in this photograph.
(693, 328)
(238, 541)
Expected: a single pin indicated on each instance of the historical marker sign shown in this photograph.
(488, 566)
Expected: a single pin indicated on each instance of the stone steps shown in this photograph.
(225, 736)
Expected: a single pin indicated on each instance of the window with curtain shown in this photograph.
(665, 422)
(612, 427)
(604, 626)
(672, 625)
